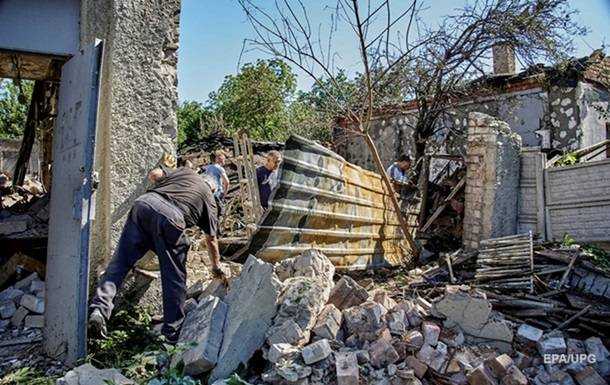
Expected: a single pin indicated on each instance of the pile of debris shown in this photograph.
(23, 304)
(24, 211)
(291, 324)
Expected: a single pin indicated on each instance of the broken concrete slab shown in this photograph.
(328, 322)
(312, 263)
(316, 351)
(302, 299)
(473, 315)
(347, 370)
(347, 293)
(203, 326)
(88, 374)
(252, 301)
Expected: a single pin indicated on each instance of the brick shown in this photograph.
(36, 286)
(25, 283)
(7, 309)
(382, 297)
(529, 333)
(479, 376)
(289, 332)
(397, 321)
(347, 293)
(588, 376)
(414, 339)
(316, 352)
(431, 332)
(347, 370)
(281, 351)
(382, 353)
(419, 368)
(34, 321)
(328, 322)
(552, 345)
(595, 346)
(19, 316)
(33, 303)
(514, 376)
(498, 366)
(11, 294)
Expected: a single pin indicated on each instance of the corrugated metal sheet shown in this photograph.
(324, 202)
(578, 201)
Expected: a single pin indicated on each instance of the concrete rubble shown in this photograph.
(22, 305)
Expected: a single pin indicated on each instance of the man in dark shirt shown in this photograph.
(178, 199)
(265, 176)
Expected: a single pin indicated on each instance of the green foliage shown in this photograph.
(26, 376)
(236, 380)
(190, 116)
(568, 159)
(171, 375)
(14, 103)
(596, 255)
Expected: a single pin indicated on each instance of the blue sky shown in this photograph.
(212, 34)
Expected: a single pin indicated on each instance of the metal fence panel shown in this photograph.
(324, 202)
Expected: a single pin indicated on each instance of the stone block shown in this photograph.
(328, 322)
(439, 358)
(480, 376)
(316, 351)
(382, 353)
(529, 333)
(203, 326)
(575, 346)
(588, 376)
(414, 339)
(397, 321)
(36, 286)
(453, 337)
(288, 332)
(19, 316)
(25, 283)
(281, 351)
(595, 346)
(312, 263)
(252, 301)
(426, 354)
(33, 303)
(87, 374)
(498, 366)
(366, 318)
(34, 321)
(431, 332)
(419, 368)
(346, 367)
(514, 376)
(382, 297)
(552, 345)
(7, 309)
(11, 294)
(347, 293)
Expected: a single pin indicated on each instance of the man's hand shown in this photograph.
(155, 174)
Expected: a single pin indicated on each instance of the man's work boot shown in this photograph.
(97, 325)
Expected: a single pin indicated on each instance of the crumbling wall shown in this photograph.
(594, 104)
(564, 117)
(492, 179)
(138, 100)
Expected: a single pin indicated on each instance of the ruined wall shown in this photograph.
(594, 102)
(492, 180)
(138, 100)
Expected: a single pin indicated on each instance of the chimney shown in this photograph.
(504, 59)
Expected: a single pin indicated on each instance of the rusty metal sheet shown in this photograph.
(326, 203)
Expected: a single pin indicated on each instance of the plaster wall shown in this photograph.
(138, 101)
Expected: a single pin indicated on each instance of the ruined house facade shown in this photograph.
(555, 109)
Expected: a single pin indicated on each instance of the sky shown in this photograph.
(212, 34)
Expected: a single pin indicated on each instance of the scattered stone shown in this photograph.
(312, 263)
(316, 351)
(7, 309)
(595, 346)
(552, 345)
(588, 376)
(19, 316)
(288, 332)
(252, 301)
(347, 293)
(11, 294)
(529, 333)
(88, 374)
(397, 322)
(382, 353)
(419, 368)
(363, 357)
(439, 357)
(33, 303)
(292, 372)
(347, 370)
(382, 297)
(281, 351)
(575, 346)
(479, 376)
(426, 354)
(25, 283)
(453, 337)
(364, 319)
(34, 321)
(37, 286)
(411, 313)
(328, 322)
(431, 332)
(514, 376)
(414, 339)
(498, 366)
(204, 327)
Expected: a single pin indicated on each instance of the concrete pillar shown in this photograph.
(138, 101)
(492, 179)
